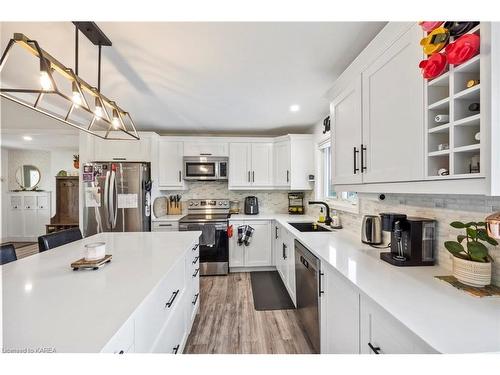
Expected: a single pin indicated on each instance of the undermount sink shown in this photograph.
(309, 227)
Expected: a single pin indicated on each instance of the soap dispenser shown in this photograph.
(321, 216)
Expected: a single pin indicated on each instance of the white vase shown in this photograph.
(472, 273)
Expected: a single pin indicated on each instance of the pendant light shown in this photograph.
(120, 123)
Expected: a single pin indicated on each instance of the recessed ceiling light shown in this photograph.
(294, 108)
(27, 138)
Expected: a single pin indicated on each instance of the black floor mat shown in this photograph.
(269, 292)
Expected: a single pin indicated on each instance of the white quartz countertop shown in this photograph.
(47, 305)
(448, 319)
(168, 218)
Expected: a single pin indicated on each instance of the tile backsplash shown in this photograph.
(270, 201)
(443, 208)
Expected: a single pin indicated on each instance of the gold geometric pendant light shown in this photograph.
(64, 96)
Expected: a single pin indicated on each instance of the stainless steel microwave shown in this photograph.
(205, 168)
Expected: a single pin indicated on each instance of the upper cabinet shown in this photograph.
(346, 134)
(293, 161)
(250, 165)
(170, 164)
(385, 138)
(206, 147)
(393, 121)
(123, 150)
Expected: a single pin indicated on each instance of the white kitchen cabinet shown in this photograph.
(165, 226)
(282, 163)
(345, 112)
(170, 164)
(284, 248)
(206, 147)
(393, 113)
(381, 333)
(123, 150)
(293, 161)
(259, 253)
(29, 212)
(123, 341)
(250, 165)
(339, 314)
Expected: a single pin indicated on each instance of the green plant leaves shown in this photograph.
(454, 247)
(461, 237)
(457, 224)
(483, 236)
(472, 233)
(477, 251)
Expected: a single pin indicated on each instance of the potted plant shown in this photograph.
(471, 261)
(76, 161)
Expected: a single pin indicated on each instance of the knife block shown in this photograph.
(173, 209)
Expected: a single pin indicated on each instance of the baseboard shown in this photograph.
(251, 269)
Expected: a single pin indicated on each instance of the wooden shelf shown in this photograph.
(472, 93)
(438, 153)
(474, 147)
(440, 129)
(441, 104)
(469, 121)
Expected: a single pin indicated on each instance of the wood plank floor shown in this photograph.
(227, 322)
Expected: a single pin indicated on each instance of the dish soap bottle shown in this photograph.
(321, 216)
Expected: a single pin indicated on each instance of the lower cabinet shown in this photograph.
(352, 323)
(381, 333)
(259, 253)
(161, 324)
(29, 213)
(339, 314)
(165, 226)
(284, 247)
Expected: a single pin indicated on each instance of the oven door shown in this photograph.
(200, 170)
(214, 246)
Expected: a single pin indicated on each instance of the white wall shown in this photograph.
(4, 178)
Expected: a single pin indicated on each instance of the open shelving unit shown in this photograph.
(449, 95)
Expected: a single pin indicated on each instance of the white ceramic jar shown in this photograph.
(95, 251)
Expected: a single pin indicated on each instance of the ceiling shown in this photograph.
(202, 78)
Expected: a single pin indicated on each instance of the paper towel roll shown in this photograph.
(442, 118)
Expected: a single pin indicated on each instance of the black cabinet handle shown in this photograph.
(356, 152)
(363, 166)
(205, 154)
(253, 176)
(249, 176)
(195, 259)
(284, 251)
(180, 176)
(196, 272)
(119, 158)
(320, 287)
(195, 247)
(374, 349)
(287, 176)
(176, 349)
(172, 299)
(164, 225)
(196, 298)
(121, 352)
(276, 232)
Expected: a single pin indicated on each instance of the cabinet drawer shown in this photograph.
(122, 341)
(171, 336)
(157, 308)
(16, 202)
(42, 202)
(165, 226)
(30, 202)
(381, 333)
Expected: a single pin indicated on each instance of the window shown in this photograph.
(342, 200)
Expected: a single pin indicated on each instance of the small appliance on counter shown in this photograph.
(296, 203)
(412, 240)
(234, 207)
(251, 205)
(371, 230)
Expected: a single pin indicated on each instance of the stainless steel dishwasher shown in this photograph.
(307, 279)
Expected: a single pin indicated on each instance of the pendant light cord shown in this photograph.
(99, 70)
(76, 50)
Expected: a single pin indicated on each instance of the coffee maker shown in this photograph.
(412, 240)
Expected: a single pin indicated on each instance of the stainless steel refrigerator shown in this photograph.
(116, 197)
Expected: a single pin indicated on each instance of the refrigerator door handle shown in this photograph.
(113, 193)
(106, 200)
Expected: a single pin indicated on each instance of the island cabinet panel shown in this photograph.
(123, 341)
(381, 333)
(192, 285)
(156, 310)
(172, 336)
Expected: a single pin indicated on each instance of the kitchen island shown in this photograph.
(144, 300)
